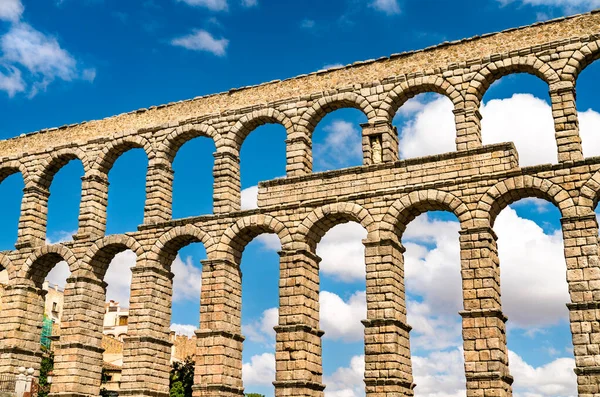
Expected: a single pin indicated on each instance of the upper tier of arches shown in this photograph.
(464, 86)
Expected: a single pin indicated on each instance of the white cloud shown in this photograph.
(566, 5)
(307, 24)
(439, 374)
(184, 329)
(187, 281)
(201, 40)
(432, 330)
(347, 381)
(213, 5)
(89, 75)
(342, 252)
(11, 10)
(522, 119)
(39, 54)
(555, 379)
(12, 82)
(261, 331)
(260, 371)
(249, 3)
(343, 144)
(59, 274)
(333, 66)
(341, 320)
(250, 198)
(390, 7)
(589, 130)
(118, 277)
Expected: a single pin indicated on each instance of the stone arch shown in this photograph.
(496, 70)
(581, 59)
(328, 104)
(413, 87)
(249, 122)
(316, 224)
(179, 136)
(42, 260)
(6, 264)
(513, 189)
(409, 206)
(12, 167)
(237, 236)
(58, 159)
(168, 245)
(102, 252)
(117, 147)
(590, 193)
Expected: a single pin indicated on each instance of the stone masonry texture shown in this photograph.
(384, 195)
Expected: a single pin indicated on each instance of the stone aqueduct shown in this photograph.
(475, 183)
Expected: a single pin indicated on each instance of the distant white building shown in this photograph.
(115, 320)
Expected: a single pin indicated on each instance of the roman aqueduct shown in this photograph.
(475, 183)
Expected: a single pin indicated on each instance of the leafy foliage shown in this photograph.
(45, 368)
(181, 379)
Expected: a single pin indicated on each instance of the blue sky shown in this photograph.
(67, 61)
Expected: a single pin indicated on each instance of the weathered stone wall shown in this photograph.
(384, 195)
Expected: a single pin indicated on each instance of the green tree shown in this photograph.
(45, 368)
(182, 378)
(254, 395)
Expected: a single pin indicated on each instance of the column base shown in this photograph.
(217, 390)
(389, 387)
(292, 388)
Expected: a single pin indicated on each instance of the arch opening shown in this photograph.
(126, 191)
(589, 109)
(193, 178)
(337, 139)
(11, 196)
(433, 285)
(517, 108)
(262, 157)
(425, 124)
(64, 201)
(534, 289)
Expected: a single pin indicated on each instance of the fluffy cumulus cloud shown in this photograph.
(566, 5)
(31, 60)
(428, 128)
(249, 3)
(213, 5)
(250, 198)
(347, 381)
(201, 40)
(342, 252)
(260, 371)
(553, 379)
(11, 10)
(439, 374)
(343, 144)
(390, 7)
(187, 281)
(261, 331)
(341, 319)
(118, 277)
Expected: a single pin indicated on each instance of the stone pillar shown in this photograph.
(78, 357)
(147, 347)
(380, 143)
(484, 330)
(218, 370)
(388, 369)
(21, 327)
(298, 154)
(566, 124)
(468, 128)
(92, 212)
(34, 213)
(580, 236)
(299, 370)
(227, 189)
(159, 196)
